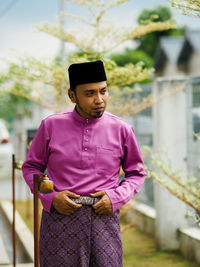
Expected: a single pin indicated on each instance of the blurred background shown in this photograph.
(151, 53)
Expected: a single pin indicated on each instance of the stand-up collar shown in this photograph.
(79, 118)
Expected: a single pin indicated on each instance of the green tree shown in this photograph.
(187, 7)
(46, 82)
(132, 56)
(148, 43)
(10, 104)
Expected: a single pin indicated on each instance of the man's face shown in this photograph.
(90, 98)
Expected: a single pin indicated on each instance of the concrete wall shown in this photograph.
(171, 137)
(194, 64)
(171, 69)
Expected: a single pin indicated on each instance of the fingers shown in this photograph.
(103, 206)
(98, 204)
(103, 210)
(72, 204)
(65, 209)
(69, 210)
(71, 194)
(102, 202)
(98, 194)
(63, 204)
(99, 208)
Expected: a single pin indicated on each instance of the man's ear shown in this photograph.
(71, 95)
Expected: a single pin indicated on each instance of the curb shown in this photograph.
(144, 218)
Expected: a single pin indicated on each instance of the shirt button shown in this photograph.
(86, 120)
(85, 149)
(87, 130)
(86, 140)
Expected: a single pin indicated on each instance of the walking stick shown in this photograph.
(18, 166)
(43, 185)
(13, 200)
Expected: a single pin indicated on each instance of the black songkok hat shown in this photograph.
(87, 72)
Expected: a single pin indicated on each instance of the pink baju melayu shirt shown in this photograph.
(84, 156)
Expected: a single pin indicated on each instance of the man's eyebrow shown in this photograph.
(92, 90)
(88, 90)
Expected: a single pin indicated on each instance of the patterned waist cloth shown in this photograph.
(86, 200)
(82, 239)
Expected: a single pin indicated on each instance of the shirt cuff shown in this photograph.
(46, 200)
(111, 195)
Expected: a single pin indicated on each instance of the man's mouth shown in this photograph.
(99, 109)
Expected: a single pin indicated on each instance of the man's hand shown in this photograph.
(104, 205)
(63, 204)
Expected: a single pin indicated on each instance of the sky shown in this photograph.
(19, 37)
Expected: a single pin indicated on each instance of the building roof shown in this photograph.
(193, 37)
(177, 49)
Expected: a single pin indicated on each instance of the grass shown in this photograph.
(139, 249)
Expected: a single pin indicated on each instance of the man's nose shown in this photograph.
(98, 99)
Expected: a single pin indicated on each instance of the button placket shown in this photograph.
(86, 137)
(86, 151)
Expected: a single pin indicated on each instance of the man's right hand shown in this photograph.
(63, 204)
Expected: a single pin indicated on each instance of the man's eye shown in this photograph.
(89, 94)
(103, 91)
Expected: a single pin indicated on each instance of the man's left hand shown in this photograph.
(104, 205)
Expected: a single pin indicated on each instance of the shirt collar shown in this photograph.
(79, 118)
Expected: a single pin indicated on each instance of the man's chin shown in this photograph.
(98, 114)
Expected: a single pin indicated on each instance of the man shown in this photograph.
(82, 150)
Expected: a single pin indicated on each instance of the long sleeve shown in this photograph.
(36, 163)
(134, 174)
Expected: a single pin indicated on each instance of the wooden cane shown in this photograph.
(14, 207)
(18, 166)
(36, 227)
(43, 185)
